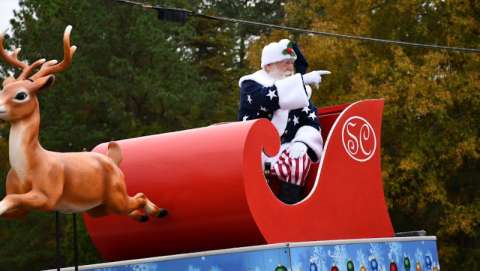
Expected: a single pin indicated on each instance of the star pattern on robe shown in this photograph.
(271, 94)
(295, 120)
(259, 101)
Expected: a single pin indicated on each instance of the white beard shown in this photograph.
(278, 75)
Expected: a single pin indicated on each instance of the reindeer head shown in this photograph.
(18, 97)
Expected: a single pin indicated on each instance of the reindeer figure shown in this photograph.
(45, 180)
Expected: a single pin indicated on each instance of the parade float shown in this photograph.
(222, 213)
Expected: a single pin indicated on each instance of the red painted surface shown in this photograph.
(211, 181)
(327, 117)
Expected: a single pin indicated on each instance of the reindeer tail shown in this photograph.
(114, 152)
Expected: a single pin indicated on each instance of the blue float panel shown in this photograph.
(380, 254)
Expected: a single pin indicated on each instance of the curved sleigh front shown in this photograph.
(211, 181)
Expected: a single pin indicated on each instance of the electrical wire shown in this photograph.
(187, 13)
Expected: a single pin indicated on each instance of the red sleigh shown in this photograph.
(211, 181)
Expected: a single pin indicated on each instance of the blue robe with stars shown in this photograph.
(286, 104)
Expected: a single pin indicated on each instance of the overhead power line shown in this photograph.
(182, 15)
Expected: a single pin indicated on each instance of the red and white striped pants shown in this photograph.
(294, 171)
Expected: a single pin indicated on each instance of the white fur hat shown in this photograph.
(277, 51)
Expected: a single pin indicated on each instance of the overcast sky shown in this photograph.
(6, 13)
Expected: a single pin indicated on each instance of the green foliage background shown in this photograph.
(134, 75)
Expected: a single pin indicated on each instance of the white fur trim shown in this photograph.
(280, 119)
(291, 92)
(312, 137)
(260, 77)
(309, 91)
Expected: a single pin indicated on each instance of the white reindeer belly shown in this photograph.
(67, 207)
(17, 152)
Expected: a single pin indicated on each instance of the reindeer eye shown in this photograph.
(21, 96)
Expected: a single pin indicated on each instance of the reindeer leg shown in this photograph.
(138, 202)
(154, 210)
(119, 202)
(14, 186)
(138, 215)
(100, 211)
(135, 205)
(149, 207)
(30, 200)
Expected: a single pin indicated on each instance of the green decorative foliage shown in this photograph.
(289, 50)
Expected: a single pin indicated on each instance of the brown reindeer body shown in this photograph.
(46, 180)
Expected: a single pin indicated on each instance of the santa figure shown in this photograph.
(280, 92)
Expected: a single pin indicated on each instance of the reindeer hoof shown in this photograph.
(143, 218)
(162, 213)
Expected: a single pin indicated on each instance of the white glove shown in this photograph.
(314, 77)
(296, 150)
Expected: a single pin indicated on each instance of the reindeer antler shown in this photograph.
(47, 68)
(13, 60)
(51, 67)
